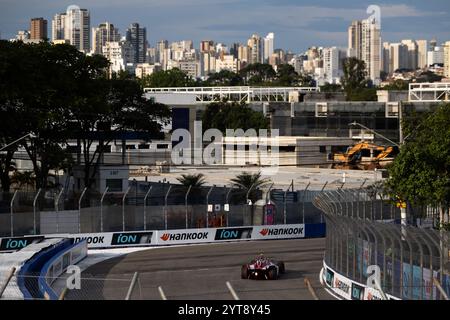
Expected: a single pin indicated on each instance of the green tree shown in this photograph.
(257, 74)
(355, 83)
(397, 85)
(234, 115)
(331, 87)
(286, 75)
(192, 180)
(420, 174)
(224, 78)
(167, 78)
(246, 182)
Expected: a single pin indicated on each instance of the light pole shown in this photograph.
(374, 132)
(17, 140)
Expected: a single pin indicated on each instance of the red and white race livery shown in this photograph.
(262, 268)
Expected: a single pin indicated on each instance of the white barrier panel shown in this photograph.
(349, 289)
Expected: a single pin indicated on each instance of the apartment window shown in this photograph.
(321, 109)
(143, 146)
(114, 185)
(322, 149)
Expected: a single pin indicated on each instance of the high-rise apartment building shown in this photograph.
(255, 46)
(74, 25)
(206, 46)
(77, 28)
(364, 43)
(58, 26)
(422, 50)
(137, 36)
(105, 32)
(268, 46)
(412, 54)
(333, 64)
(160, 48)
(436, 56)
(447, 59)
(38, 29)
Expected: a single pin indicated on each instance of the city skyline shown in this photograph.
(297, 26)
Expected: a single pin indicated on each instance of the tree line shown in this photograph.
(58, 94)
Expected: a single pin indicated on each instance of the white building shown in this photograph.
(120, 54)
(412, 61)
(422, 49)
(436, 56)
(333, 64)
(105, 32)
(447, 59)
(74, 25)
(227, 62)
(365, 44)
(146, 69)
(268, 45)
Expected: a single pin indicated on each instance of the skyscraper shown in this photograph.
(255, 45)
(412, 54)
(268, 46)
(77, 28)
(422, 49)
(447, 59)
(137, 36)
(365, 44)
(38, 29)
(58, 26)
(105, 32)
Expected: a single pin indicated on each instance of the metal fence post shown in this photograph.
(101, 208)
(123, 207)
(34, 209)
(186, 204)
(285, 200)
(165, 207)
(57, 209)
(79, 209)
(207, 204)
(12, 211)
(145, 207)
(303, 201)
(227, 202)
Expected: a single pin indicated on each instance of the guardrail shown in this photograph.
(57, 265)
(411, 260)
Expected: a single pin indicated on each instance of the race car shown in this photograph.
(262, 268)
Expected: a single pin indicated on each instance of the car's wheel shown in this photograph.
(281, 267)
(244, 272)
(272, 274)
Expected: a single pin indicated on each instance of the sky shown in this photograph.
(297, 24)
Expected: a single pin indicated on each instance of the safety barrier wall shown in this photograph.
(347, 288)
(410, 259)
(57, 265)
(188, 236)
(29, 272)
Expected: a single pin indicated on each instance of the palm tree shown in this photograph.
(250, 182)
(192, 180)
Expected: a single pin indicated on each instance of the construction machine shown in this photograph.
(363, 155)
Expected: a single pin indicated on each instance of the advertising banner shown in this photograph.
(342, 286)
(290, 231)
(166, 237)
(17, 243)
(417, 282)
(406, 289)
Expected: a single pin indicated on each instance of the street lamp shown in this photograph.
(15, 141)
(374, 132)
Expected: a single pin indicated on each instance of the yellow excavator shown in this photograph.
(363, 155)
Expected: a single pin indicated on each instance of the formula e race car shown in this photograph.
(262, 268)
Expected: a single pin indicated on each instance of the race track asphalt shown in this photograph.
(200, 272)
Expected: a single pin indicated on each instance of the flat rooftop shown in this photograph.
(282, 178)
